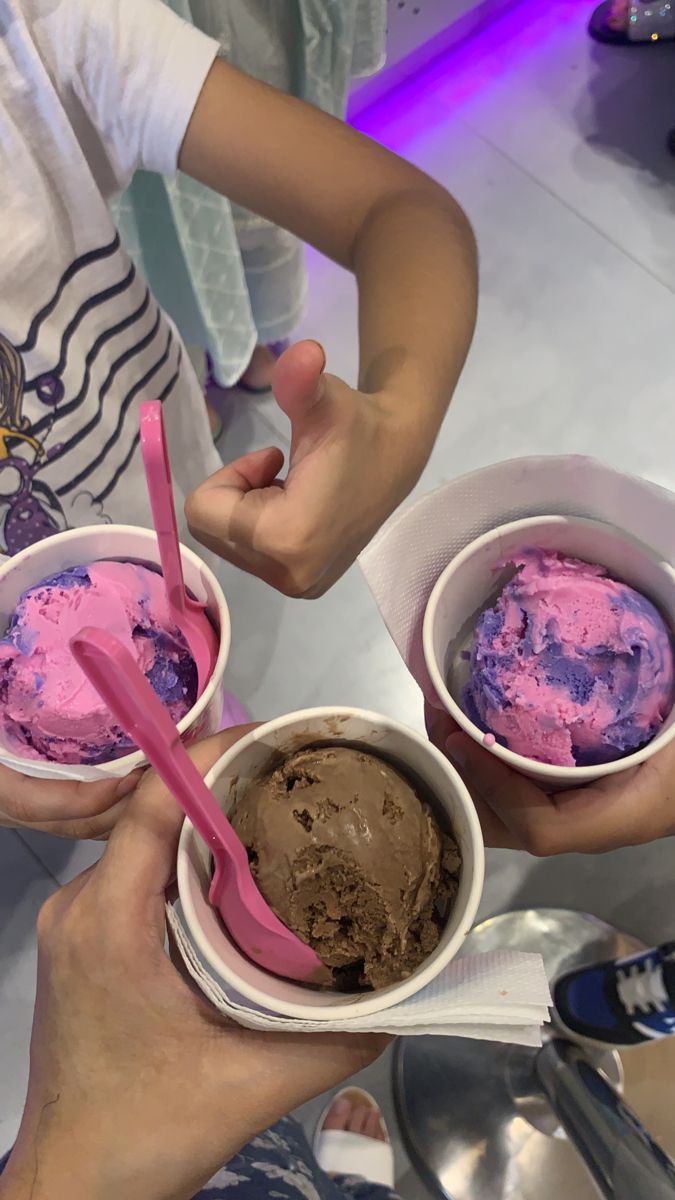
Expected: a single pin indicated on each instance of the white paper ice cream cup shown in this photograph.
(228, 779)
(472, 582)
(79, 547)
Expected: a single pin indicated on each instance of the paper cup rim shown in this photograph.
(125, 764)
(560, 775)
(367, 1003)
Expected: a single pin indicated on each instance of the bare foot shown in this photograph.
(351, 1112)
(617, 18)
(258, 374)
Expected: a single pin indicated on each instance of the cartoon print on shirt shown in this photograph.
(12, 423)
(69, 391)
(29, 510)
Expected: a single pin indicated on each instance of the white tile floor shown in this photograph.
(556, 148)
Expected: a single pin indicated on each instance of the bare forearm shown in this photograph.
(68, 1176)
(71, 1165)
(415, 261)
(71, 1172)
(319, 178)
(47, 1167)
(37, 1172)
(405, 238)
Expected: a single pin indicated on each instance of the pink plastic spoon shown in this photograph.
(189, 615)
(140, 712)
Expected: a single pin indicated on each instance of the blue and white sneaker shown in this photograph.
(620, 1003)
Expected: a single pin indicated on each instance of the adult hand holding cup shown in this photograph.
(64, 807)
(126, 1059)
(528, 804)
(73, 799)
(630, 808)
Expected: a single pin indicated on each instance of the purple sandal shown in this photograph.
(650, 23)
(277, 349)
(234, 712)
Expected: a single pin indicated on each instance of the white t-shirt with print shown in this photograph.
(90, 90)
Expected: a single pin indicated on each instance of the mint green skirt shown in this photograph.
(228, 278)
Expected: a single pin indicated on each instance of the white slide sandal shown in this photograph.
(341, 1152)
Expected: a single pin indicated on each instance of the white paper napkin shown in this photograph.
(502, 996)
(403, 562)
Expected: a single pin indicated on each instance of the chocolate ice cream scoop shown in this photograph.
(352, 860)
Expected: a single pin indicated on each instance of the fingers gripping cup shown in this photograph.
(290, 753)
(550, 641)
(97, 575)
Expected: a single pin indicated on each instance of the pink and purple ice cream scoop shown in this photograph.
(570, 667)
(48, 708)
